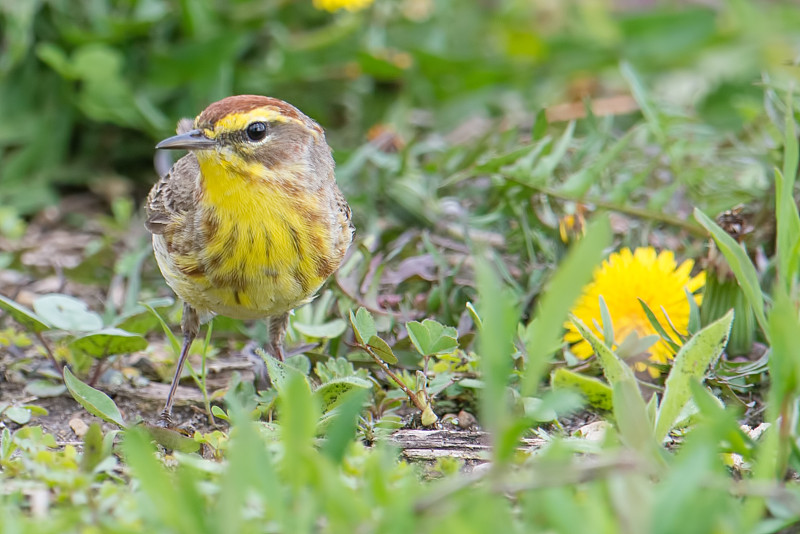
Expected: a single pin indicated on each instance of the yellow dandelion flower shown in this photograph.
(623, 279)
(336, 5)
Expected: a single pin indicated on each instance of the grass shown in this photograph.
(462, 158)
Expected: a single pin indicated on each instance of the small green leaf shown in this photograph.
(363, 325)
(218, 412)
(95, 402)
(431, 337)
(332, 393)
(44, 388)
(428, 417)
(109, 341)
(691, 363)
(331, 329)
(67, 313)
(382, 349)
(476, 318)
(24, 316)
(18, 414)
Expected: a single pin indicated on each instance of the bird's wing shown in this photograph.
(172, 195)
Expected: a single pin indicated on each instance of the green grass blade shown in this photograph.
(740, 264)
(543, 334)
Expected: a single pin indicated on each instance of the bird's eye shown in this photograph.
(256, 131)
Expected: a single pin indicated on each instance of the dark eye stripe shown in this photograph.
(256, 131)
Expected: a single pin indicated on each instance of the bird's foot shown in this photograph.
(165, 419)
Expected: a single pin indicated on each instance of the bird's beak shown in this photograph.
(191, 140)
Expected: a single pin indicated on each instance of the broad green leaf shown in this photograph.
(331, 329)
(363, 325)
(596, 392)
(543, 335)
(24, 316)
(691, 363)
(382, 349)
(740, 264)
(431, 337)
(96, 402)
(67, 313)
(614, 368)
(109, 341)
(333, 393)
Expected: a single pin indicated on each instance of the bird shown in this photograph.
(250, 222)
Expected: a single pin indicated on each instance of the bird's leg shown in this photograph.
(190, 324)
(277, 333)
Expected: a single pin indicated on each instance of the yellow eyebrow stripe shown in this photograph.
(239, 121)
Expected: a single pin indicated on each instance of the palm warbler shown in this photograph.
(250, 223)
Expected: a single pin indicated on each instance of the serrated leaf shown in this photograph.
(332, 393)
(597, 393)
(614, 368)
(691, 363)
(67, 313)
(279, 372)
(363, 325)
(331, 329)
(27, 318)
(94, 401)
(382, 349)
(109, 341)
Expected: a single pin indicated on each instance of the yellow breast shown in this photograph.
(266, 246)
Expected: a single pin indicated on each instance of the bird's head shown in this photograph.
(248, 132)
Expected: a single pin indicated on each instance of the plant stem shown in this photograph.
(411, 396)
(59, 367)
(640, 213)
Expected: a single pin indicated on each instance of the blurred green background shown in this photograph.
(87, 86)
